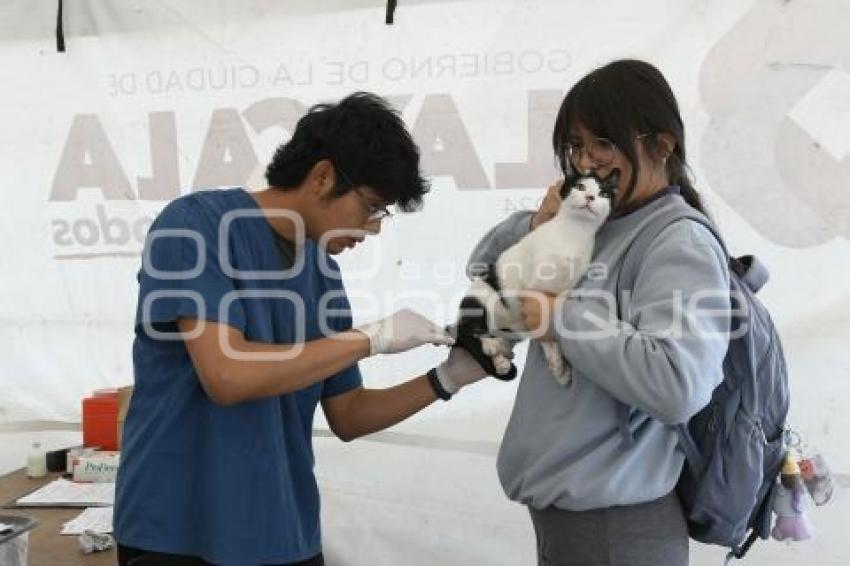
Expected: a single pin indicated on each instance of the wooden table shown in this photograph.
(46, 546)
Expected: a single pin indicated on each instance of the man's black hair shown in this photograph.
(366, 141)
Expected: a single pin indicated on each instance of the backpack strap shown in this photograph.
(751, 271)
(626, 278)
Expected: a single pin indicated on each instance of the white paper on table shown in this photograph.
(97, 519)
(64, 493)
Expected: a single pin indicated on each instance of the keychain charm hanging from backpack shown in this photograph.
(792, 523)
(817, 478)
(813, 469)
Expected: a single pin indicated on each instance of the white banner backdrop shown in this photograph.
(154, 99)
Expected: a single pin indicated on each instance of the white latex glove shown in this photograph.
(459, 369)
(403, 331)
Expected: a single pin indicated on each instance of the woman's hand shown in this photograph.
(549, 207)
(538, 310)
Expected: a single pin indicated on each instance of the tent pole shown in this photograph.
(391, 4)
(60, 33)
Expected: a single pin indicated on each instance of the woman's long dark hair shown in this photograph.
(620, 101)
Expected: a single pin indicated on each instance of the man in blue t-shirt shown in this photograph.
(243, 327)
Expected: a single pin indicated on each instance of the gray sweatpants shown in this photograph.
(647, 534)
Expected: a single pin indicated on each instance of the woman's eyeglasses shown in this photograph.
(599, 150)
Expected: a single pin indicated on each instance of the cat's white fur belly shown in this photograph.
(550, 259)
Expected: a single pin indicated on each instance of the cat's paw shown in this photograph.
(563, 375)
(499, 350)
(493, 346)
(559, 367)
(502, 364)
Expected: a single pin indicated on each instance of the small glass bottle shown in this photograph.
(36, 463)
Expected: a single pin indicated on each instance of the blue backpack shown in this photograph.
(734, 447)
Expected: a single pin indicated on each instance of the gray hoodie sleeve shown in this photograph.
(666, 358)
(502, 236)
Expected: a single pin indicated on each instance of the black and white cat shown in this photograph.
(551, 259)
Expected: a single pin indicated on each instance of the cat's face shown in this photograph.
(588, 197)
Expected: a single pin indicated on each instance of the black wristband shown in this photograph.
(439, 391)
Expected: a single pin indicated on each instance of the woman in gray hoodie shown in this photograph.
(597, 462)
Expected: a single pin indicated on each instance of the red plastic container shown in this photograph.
(100, 420)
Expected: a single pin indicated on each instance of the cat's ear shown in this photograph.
(609, 185)
(571, 177)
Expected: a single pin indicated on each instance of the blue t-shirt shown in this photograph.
(233, 485)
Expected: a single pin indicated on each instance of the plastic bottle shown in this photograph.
(36, 463)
